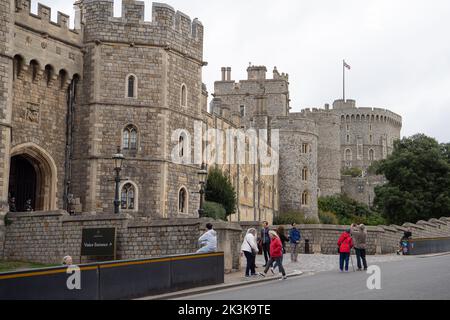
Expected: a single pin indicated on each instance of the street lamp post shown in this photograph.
(202, 174)
(118, 162)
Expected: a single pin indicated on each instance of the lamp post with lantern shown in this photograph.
(202, 174)
(118, 163)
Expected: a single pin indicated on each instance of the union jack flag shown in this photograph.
(346, 65)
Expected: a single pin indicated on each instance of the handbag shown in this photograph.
(254, 253)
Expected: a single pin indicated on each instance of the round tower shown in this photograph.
(298, 175)
(329, 150)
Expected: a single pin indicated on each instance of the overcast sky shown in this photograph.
(399, 51)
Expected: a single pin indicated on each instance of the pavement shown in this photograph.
(403, 278)
(307, 265)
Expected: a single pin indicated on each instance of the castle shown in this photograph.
(68, 98)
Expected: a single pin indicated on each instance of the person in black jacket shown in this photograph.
(265, 241)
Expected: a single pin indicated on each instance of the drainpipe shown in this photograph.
(71, 94)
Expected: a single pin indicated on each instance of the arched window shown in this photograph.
(62, 78)
(182, 201)
(129, 138)
(305, 198)
(371, 155)
(128, 197)
(348, 155)
(181, 146)
(131, 86)
(305, 174)
(17, 66)
(49, 74)
(34, 69)
(183, 95)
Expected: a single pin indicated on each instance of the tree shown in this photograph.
(418, 174)
(220, 190)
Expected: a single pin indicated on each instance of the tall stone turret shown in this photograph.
(142, 83)
(6, 74)
(328, 149)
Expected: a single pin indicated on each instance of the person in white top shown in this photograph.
(249, 248)
(208, 241)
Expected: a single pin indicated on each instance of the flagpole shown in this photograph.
(343, 80)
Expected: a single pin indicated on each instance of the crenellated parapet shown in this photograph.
(378, 115)
(42, 23)
(170, 29)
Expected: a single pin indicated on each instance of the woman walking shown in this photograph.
(345, 244)
(250, 248)
(276, 254)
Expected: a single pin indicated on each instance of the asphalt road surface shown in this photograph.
(419, 278)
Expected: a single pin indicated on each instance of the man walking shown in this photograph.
(294, 240)
(359, 234)
(265, 242)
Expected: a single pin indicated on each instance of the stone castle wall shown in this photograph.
(48, 237)
(381, 239)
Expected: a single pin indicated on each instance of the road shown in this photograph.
(417, 278)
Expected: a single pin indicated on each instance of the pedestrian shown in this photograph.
(265, 242)
(407, 235)
(249, 248)
(345, 244)
(294, 240)
(208, 241)
(359, 235)
(276, 252)
(282, 235)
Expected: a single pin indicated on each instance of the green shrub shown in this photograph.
(291, 217)
(327, 217)
(354, 172)
(214, 210)
(348, 211)
(220, 190)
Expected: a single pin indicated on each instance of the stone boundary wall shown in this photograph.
(46, 237)
(381, 239)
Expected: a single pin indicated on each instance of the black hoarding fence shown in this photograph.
(428, 246)
(114, 280)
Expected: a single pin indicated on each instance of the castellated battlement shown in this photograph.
(170, 29)
(295, 122)
(42, 23)
(255, 83)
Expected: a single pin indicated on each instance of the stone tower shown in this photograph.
(263, 103)
(328, 149)
(142, 81)
(367, 134)
(6, 73)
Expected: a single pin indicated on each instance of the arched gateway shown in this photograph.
(33, 178)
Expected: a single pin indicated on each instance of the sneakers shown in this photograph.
(261, 275)
(271, 270)
(283, 278)
(359, 269)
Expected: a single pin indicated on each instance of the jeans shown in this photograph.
(266, 251)
(278, 262)
(250, 269)
(294, 253)
(344, 257)
(361, 255)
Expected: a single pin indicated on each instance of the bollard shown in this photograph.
(306, 246)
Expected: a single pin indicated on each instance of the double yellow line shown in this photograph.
(107, 266)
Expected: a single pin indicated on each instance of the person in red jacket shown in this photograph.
(345, 244)
(276, 254)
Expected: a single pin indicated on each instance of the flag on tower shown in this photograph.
(346, 65)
